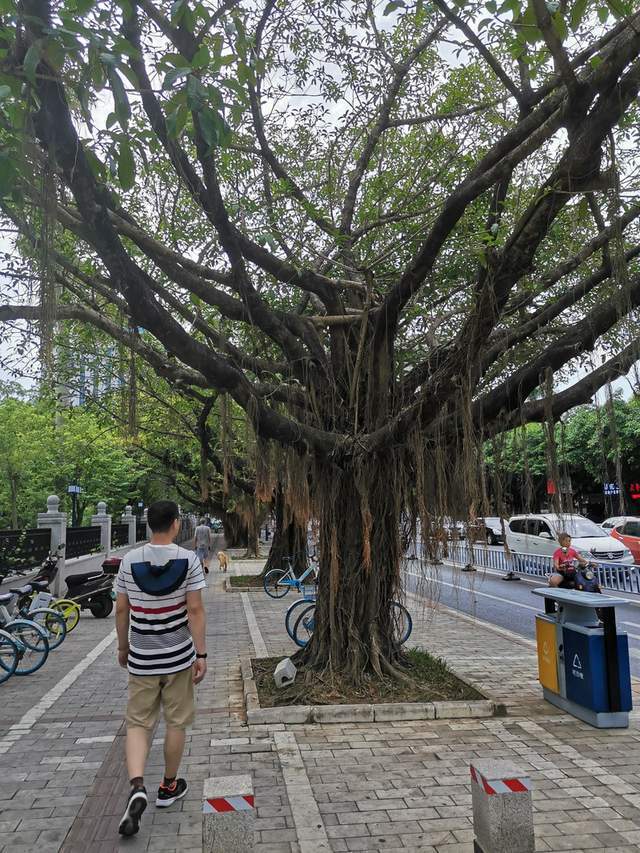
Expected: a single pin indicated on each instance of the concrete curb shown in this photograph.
(365, 713)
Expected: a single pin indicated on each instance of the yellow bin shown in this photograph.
(547, 654)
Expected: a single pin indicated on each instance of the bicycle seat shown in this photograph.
(6, 597)
(22, 590)
(39, 586)
(78, 580)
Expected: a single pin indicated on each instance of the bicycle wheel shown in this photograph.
(304, 625)
(33, 645)
(272, 585)
(52, 622)
(402, 622)
(69, 610)
(9, 656)
(293, 612)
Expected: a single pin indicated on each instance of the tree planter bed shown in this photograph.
(260, 697)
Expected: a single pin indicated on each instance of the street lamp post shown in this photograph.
(74, 490)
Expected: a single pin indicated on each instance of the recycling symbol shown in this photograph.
(545, 648)
(576, 662)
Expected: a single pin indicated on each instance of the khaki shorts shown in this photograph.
(174, 692)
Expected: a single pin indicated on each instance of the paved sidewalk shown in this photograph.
(372, 787)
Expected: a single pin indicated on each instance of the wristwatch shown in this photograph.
(201, 656)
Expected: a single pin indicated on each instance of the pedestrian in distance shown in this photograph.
(161, 625)
(203, 542)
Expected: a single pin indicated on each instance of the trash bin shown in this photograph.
(583, 661)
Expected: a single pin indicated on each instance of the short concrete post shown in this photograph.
(57, 522)
(228, 815)
(129, 518)
(103, 521)
(502, 810)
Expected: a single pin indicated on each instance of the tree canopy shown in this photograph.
(377, 228)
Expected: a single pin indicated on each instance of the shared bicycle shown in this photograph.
(278, 582)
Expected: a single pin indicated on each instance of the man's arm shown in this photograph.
(122, 627)
(197, 626)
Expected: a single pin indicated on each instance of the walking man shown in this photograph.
(160, 622)
(203, 542)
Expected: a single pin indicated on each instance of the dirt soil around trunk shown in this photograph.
(254, 581)
(433, 682)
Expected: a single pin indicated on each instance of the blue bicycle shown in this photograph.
(278, 582)
(303, 620)
(9, 655)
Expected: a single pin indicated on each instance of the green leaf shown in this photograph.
(578, 13)
(392, 6)
(560, 26)
(619, 8)
(211, 125)
(201, 57)
(5, 91)
(126, 166)
(176, 121)
(173, 75)
(31, 61)
(603, 14)
(120, 100)
(196, 94)
(7, 174)
(177, 11)
(84, 6)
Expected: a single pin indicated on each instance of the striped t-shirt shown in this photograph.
(159, 637)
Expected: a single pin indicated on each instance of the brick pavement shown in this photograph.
(376, 787)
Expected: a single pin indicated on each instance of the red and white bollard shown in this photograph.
(228, 815)
(502, 809)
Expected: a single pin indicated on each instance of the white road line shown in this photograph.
(473, 620)
(476, 592)
(28, 720)
(633, 624)
(259, 646)
(312, 836)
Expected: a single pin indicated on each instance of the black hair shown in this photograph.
(161, 515)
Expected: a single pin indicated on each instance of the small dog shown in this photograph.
(223, 560)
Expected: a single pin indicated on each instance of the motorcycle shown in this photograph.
(90, 590)
(581, 578)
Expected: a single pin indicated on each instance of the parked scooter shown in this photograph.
(90, 590)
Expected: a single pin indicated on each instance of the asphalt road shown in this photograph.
(510, 605)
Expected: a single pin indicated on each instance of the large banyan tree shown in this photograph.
(378, 228)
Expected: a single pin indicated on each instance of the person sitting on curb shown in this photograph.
(563, 561)
(160, 623)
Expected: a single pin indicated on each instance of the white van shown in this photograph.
(538, 534)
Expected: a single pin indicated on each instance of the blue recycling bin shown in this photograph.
(583, 659)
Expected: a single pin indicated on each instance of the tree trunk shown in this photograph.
(235, 530)
(253, 534)
(359, 574)
(289, 539)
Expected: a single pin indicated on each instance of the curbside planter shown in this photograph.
(365, 713)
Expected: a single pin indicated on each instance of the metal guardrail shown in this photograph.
(82, 540)
(610, 575)
(22, 550)
(119, 535)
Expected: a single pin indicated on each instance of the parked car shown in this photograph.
(488, 529)
(538, 534)
(626, 528)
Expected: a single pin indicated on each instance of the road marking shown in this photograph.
(312, 836)
(28, 720)
(633, 624)
(476, 592)
(466, 617)
(259, 646)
